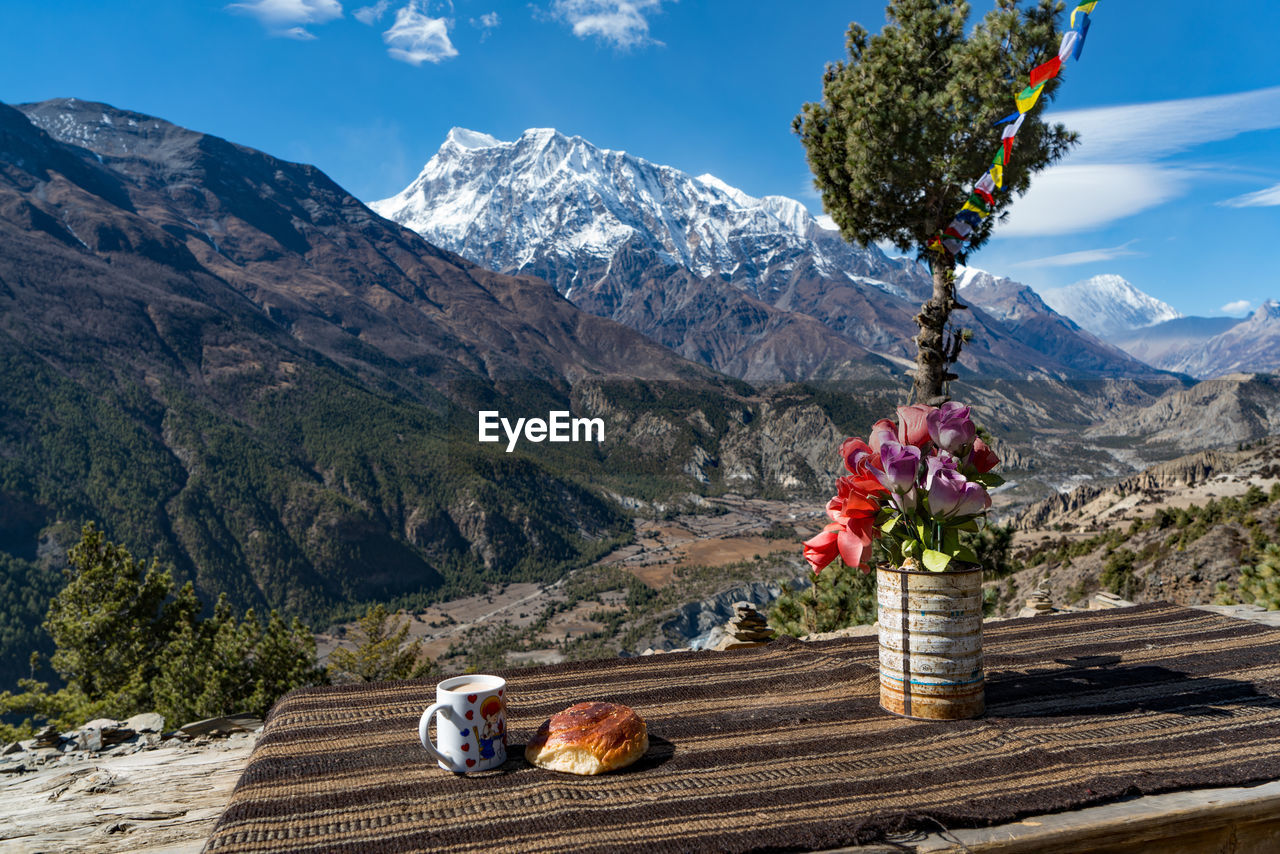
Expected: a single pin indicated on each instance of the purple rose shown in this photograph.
(950, 426)
(900, 463)
(950, 495)
(941, 461)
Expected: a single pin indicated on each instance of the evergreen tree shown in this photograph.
(840, 597)
(126, 642)
(905, 126)
(1260, 584)
(113, 619)
(381, 651)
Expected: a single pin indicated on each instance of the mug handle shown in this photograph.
(446, 710)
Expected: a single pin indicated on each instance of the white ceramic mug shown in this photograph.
(471, 723)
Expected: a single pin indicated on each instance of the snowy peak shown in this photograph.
(562, 202)
(1108, 306)
(470, 139)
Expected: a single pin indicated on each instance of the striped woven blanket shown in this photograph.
(782, 746)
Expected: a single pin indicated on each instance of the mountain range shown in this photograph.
(756, 288)
(232, 365)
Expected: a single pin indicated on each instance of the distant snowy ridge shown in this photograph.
(1108, 306)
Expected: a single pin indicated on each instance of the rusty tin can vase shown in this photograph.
(931, 642)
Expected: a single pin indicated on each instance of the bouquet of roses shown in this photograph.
(917, 484)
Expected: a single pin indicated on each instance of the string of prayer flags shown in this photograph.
(981, 200)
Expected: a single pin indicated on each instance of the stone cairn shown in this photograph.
(747, 627)
(1038, 603)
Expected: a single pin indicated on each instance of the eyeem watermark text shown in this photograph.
(558, 426)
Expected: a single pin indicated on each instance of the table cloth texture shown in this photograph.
(782, 746)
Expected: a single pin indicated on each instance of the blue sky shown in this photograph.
(1176, 186)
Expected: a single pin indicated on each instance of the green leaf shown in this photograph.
(888, 526)
(966, 554)
(990, 480)
(936, 561)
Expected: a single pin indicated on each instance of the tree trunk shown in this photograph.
(936, 353)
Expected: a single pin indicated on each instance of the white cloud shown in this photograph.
(1084, 256)
(1146, 131)
(1082, 197)
(289, 18)
(1238, 308)
(486, 23)
(372, 14)
(416, 38)
(1267, 198)
(622, 23)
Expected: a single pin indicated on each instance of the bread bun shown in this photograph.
(589, 738)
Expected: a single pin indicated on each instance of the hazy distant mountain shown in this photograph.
(1170, 344)
(1251, 346)
(1108, 305)
(752, 287)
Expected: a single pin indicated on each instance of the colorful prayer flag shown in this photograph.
(1084, 31)
(970, 206)
(1085, 8)
(1008, 148)
(1008, 118)
(1068, 45)
(953, 246)
(959, 228)
(969, 218)
(1047, 71)
(997, 175)
(986, 182)
(1027, 97)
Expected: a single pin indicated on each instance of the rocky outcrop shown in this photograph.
(1181, 472)
(1211, 414)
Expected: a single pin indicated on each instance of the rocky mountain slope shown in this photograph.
(1217, 413)
(1249, 346)
(1183, 531)
(1108, 305)
(753, 287)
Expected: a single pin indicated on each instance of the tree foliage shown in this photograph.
(1260, 584)
(906, 123)
(840, 597)
(382, 651)
(126, 641)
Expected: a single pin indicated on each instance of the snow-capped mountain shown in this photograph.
(547, 197)
(1108, 306)
(754, 287)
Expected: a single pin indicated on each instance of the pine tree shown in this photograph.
(840, 597)
(1260, 584)
(113, 619)
(905, 127)
(381, 651)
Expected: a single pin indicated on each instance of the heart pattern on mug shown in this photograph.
(471, 714)
(466, 747)
(471, 698)
(470, 762)
(499, 692)
(465, 732)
